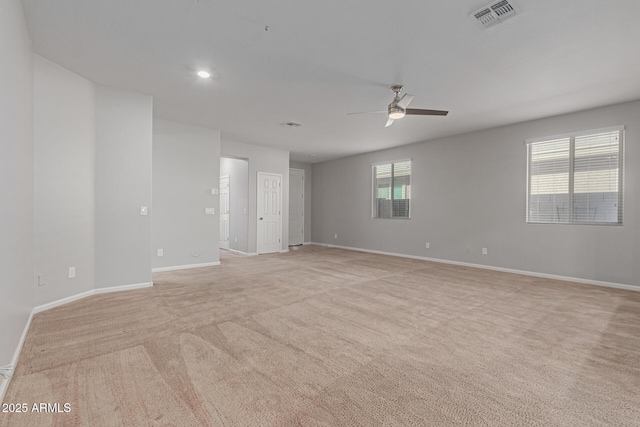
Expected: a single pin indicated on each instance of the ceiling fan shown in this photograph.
(398, 107)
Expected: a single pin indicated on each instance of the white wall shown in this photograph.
(16, 178)
(123, 185)
(469, 190)
(238, 172)
(64, 139)
(308, 179)
(186, 167)
(262, 159)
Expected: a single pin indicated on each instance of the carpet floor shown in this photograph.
(330, 337)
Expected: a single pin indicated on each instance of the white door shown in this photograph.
(296, 207)
(224, 212)
(269, 212)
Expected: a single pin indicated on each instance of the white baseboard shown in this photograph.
(307, 243)
(284, 251)
(63, 301)
(96, 291)
(235, 251)
(185, 267)
(16, 355)
(242, 253)
(4, 385)
(489, 267)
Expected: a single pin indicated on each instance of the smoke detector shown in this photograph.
(495, 13)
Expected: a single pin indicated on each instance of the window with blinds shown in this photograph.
(576, 178)
(392, 189)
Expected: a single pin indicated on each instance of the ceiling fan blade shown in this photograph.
(389, 123)
(368, 112)
(405, 100)
(419, 112)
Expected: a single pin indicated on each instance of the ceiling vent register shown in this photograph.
(494, 13)
(292, 124)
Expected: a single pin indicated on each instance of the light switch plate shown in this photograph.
(143, 210)
(214, 191)
(209, 211)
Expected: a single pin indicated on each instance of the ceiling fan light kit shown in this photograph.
(396, 112)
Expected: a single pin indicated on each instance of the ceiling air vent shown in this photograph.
(494, 13)
(503, 9)
(292, 124)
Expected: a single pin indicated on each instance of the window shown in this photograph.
(576, 178)
(392, 189)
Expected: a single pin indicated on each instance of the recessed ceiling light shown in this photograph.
(204, 74)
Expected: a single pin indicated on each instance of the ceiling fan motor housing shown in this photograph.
(395, 112)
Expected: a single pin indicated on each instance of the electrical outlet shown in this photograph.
(484, 251)
(427, 245)
(467, 250)
(335, 236)
(72, 272)
(236, 240)
(160, 252)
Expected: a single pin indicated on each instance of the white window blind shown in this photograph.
(392, 189)
(576, 178)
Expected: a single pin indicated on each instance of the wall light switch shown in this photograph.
(160, 252)
(41, 281)
(484, 251)
(143, 210)
(214, 191)
(427, 245)
(335, 236)
(72, 272)
(209, 211)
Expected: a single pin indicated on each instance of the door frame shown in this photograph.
(227, 177)
(303, 201)
(258, 174)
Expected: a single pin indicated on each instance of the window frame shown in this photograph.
(571, 171)
(374, 188)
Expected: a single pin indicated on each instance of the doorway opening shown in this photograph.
(296, 207)
(234, 206)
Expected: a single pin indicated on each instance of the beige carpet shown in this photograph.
(328, 337)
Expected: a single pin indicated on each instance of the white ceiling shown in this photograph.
(319, 60)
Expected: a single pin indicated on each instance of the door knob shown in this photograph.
(260, 219)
